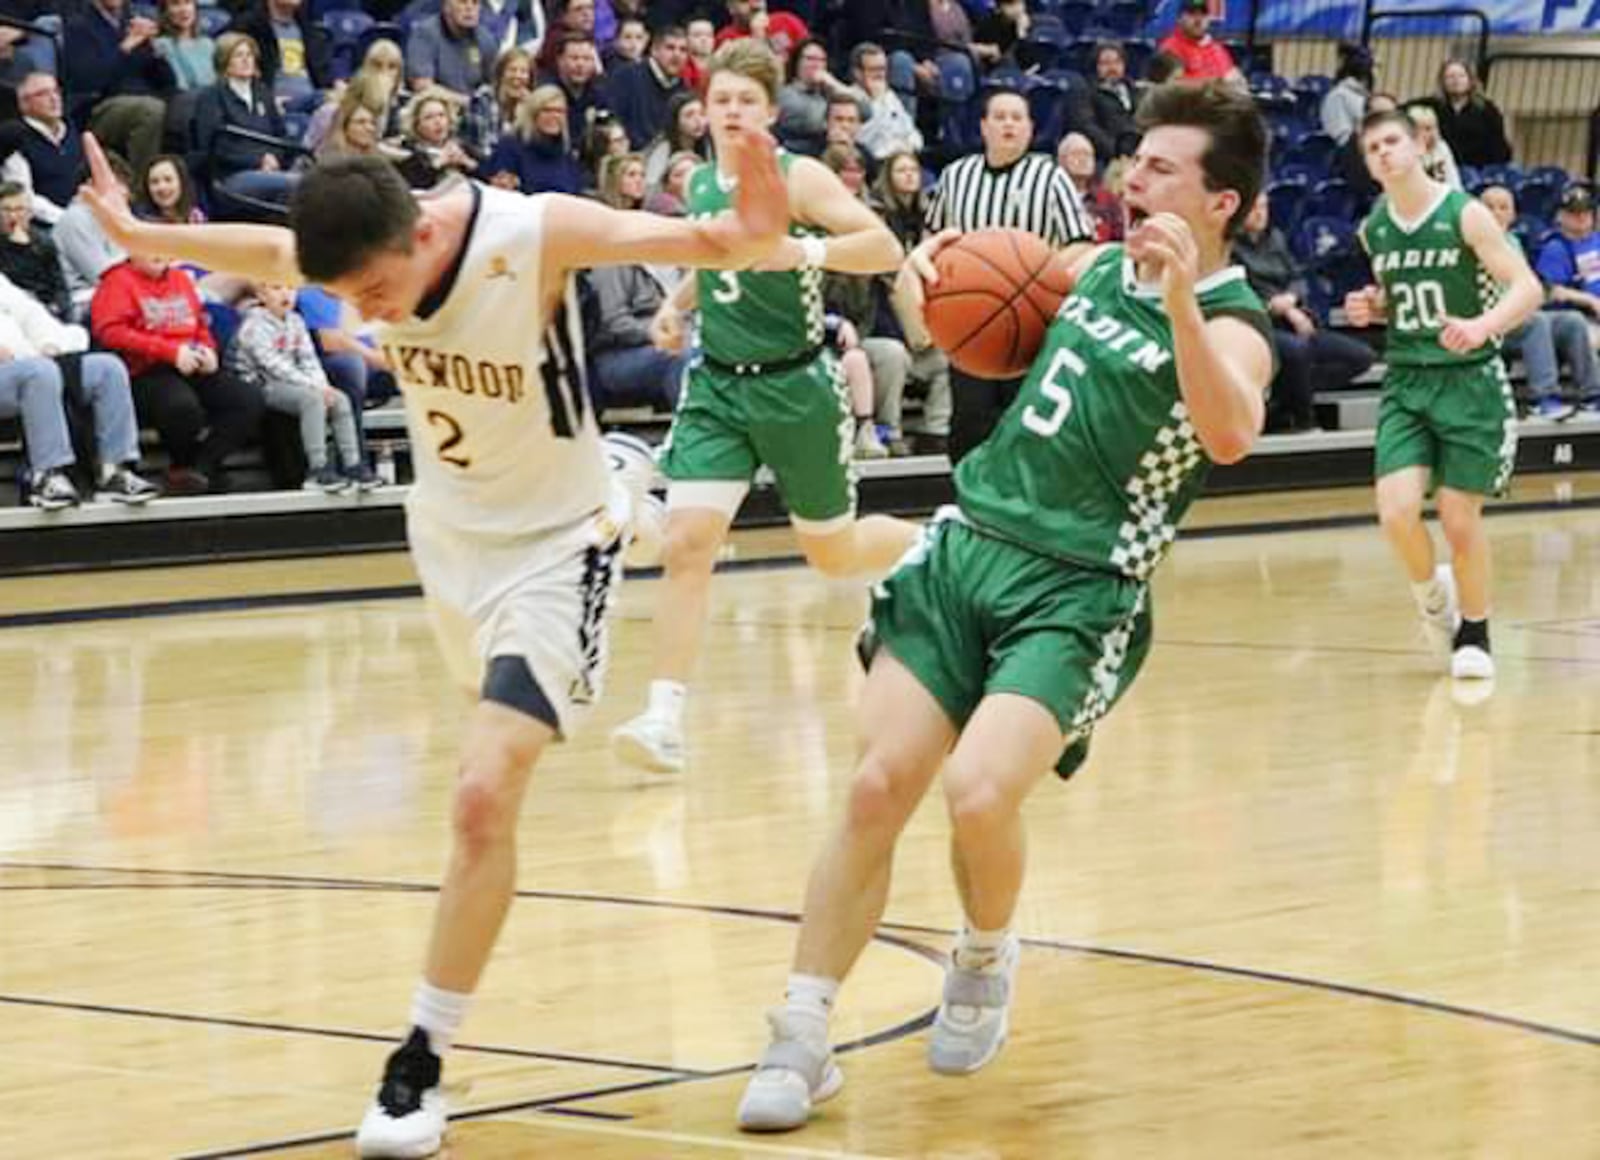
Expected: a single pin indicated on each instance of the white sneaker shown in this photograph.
(647, 534)
(868, 445)
(974, 1014)
(1439, 628)
(1471, 663)
(406, 1121)
(650, 743)
(795, 1074)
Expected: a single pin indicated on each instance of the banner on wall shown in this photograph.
(1341, 19)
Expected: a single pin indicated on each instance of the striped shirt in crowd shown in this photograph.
(1031, 194)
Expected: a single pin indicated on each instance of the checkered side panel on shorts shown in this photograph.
(1173, 456)
(811, 301)
(600, 568)
(1508, 428)
(1106, 676)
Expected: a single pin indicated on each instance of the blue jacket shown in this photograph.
(541, 166)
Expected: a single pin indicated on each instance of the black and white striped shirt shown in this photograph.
(1031, 194)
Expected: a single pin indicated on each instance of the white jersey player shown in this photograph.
(514, 521)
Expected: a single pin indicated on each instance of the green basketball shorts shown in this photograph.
(1460, 422)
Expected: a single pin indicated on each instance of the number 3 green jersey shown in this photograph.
(1428, 273)
(748, 317)
(1096, 461)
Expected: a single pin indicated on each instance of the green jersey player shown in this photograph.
(1447, 420)
(763, 390)
(1024, 613)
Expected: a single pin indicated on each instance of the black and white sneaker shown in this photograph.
(53, 491)
(406, 1121)
(326, 480)
(126, 487)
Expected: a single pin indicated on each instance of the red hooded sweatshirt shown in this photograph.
(146, 320)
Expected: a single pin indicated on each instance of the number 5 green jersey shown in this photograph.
(1096, 461)
(1428, 273)
(748, 317)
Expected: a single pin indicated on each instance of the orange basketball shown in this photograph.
(996, 295)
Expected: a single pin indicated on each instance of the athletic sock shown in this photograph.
(666, 701)
(809, 999)
(1473, 634)
(439, 1013)
(979, 949)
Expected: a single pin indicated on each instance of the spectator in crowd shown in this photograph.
(28, 257)
(578, 19)
(86, 252)
(672, 198)
(512, 23)
(621, 184)
(537, 158)
(890, 126)
(995, 37)
(781, 30)
(239, 166)
(1437, 158)
(189, 53)
(1310, 359)
(295, 53)
(274, 355)
(630, 46)
(1004, 186)
(685, 131)
(451, 49)
(353, 364)
(842, 130)
(1548, 338)
(14, 168)
(1202, 55)
(1569, 263)
(379, 78)
(604, 138)
(702, 37)
(641, 93)
(356, 128)
(898, 198)
(628, 371)
(167, 192)
(116, 79)
(434, 149)
(1112, 103)
(1350, 163)
(803, 102)
(513, 80)
(578, 75)
(1469, 122)
(53, 151)
(1162, 68)
(1076, 157)
(1345, 104)
(34, 348)
(148, 311)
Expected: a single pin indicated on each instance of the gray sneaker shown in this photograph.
(974, 1015)
(795, 1074)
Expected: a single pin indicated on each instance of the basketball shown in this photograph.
(996, 294)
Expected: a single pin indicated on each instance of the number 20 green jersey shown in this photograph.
(1096, 461)
(1428, 273)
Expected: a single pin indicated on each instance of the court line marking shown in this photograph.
(744, 1144)
(208, 605)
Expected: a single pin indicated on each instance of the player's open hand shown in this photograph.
(761, 203)
(916, 274)
(1165, 243)
(106, 198)
(1462, 335)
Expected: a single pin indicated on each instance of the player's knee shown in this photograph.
(1398, 510)
(689, 546)
(882, 796)
(976, 806)
(1459, 519)
(484, 815)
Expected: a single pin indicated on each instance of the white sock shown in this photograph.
(1430, 595)
(666, 701)
(810, 998)
(439, 1013)
(977, 949)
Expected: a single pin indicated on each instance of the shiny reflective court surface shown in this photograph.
(1302, 901)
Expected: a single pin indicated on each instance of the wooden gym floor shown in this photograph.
(1302, 902)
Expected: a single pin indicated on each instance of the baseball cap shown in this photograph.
(1577, 199)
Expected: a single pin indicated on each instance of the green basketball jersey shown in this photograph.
(750, 317)
(1096, 461)
(1428, 273)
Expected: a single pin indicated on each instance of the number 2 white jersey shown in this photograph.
(504, 439)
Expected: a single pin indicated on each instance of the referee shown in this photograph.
(1005, 188)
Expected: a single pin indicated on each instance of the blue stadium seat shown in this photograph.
(346, 25)
(1538, 197)
(1118, 21)
(1308, 94)
(1286, 198)
(1045, 46)
(1318, 238)
(1332, 198)
(1075, 15)
(1553, 172)
(1315, 149)
(1507, 175)
(1471, 179)
(1299, 171)
(1047, 107)
(1137, 53)
(1530, 232)
(213, 21)
(224, 322)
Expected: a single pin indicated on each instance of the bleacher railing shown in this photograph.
(1551, 101)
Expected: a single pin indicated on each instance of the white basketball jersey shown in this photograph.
(503, 436)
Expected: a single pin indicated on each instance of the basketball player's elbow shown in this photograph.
(1229, 438)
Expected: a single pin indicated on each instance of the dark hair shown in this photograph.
(346, 212)
(1104, 46)
(1388, 117)
(1354, 61)
(993, 93)
(661, 33)
(793, 63)
(11, 189)
(1236, 157)
(676, 103)
(120, 169)
(1162, 67)
(186, 195)
(860, 52)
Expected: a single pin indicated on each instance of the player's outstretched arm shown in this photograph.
(858, 241)
(1224, 364)
(580, 233)
(260, 253)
